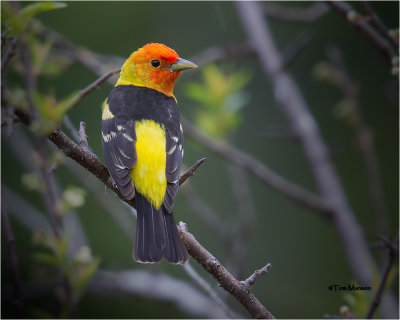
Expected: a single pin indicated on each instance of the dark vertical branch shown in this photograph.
(393, 251)
(12, 260)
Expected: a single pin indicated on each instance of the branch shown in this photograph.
(190, 171)
(84, 92)
(393, 252)
(8, 56)
(376, 20)
(12, 260)
(239, 290)
(93, 165)
(157, 286)
(83, 139)
(258, 273)
(364, 27)
(261, 171)
(297, 111)
(209, 290)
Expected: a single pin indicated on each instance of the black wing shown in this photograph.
(174, 148)
(118, 140)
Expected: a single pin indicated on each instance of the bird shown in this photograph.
(142, 140)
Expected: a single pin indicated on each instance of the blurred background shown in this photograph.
(350, 87)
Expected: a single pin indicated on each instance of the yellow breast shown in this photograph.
(148, 175)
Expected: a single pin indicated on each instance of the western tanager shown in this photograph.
(142, 141)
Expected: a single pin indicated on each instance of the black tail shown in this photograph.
(174, 251)
(150, 234)
(156, 235)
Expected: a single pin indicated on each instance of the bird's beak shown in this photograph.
(182, 64)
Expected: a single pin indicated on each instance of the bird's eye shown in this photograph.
(155, 63)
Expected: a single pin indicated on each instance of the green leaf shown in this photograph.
(66, 104)
(16, 21)
(31, 10)
(47, 259)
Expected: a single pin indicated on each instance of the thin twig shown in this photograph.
(365, 28)
(83, 139)
(296, 47)
(377, 21)
(258, 273)
(84, 92)
(392, 252)
(190, 171)
(238, 290)
(8, 56)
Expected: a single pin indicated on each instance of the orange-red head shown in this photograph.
(154, 66)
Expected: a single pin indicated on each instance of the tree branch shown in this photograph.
(8, 56)
(12, 260)
(365, 28)
(239, 290)
(158, 286)
(258, 273)
(261, 171)
(376, 20)
(84, 92)
(190, 171)
(392, 253)
(296, 110)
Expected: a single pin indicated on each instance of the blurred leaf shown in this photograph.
(83, 256)
(31, 10)
(51, 112)
(84, 274)
(326, 72)
(47, 259)
(72, 198)
(198, 92)
(15, 22)
(220, 98)
(33, 182)
(345, 110)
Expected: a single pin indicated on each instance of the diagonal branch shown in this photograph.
(261, 171)
(365, 28)
(241, 291)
